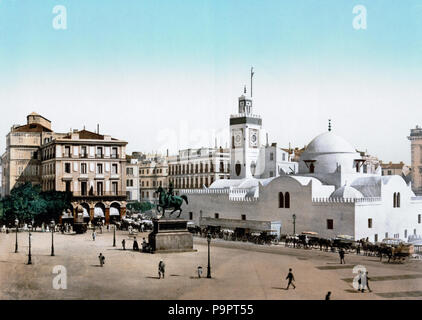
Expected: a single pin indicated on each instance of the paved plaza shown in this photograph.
(239, 271)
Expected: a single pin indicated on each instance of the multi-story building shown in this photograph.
(153, 173)
(92, 167)
(196, 168)
(21, 162)
(416, 159)
(390, 169)
(132, 179)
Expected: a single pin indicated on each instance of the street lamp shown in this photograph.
(294, 230)
(52, 237)
(114, 236)
(16, 244)
(29, 253)
(209, 263)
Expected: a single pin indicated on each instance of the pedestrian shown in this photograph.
(135, 245)
(341, 253)
(199, 271)
(102, 259)
(94, 235)
(144, 245)
(161, 269)
(142, 228)
(360, 281)
(358, 249)
(367, 281)
(328, 296)
(291, 278)
(124, 244)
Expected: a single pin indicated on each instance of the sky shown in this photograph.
(166, 74)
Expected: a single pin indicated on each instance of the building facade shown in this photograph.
(416, 159)
(153, 173)
(21, 161)
(89, 165)
(198, 168)
(132, 179)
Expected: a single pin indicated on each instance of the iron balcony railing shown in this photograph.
(99, 194)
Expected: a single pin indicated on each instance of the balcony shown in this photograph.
(114, 156)
(99, 156)
(102, 195)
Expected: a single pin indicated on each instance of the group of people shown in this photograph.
(363, 282)
(145, 246)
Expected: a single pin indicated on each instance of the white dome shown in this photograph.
(346, 192)
(328, 142)
(326, 154)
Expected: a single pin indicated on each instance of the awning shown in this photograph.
(114, 212)
(98, 212)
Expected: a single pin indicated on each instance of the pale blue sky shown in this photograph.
(176, 68)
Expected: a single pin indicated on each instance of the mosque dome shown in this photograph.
(328, 142)
(346, 192)
(326, 154)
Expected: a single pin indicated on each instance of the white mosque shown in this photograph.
(332, 191)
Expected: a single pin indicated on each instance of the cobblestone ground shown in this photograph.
(239, 271)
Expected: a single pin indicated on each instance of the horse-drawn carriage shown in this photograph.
(395, 249)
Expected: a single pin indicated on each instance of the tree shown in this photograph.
(26, 202)
(140, 206)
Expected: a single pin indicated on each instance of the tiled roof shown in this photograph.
(33, 127)
(86, 135)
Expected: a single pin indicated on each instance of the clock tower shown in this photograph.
(245, 130)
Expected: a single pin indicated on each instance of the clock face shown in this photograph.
(248, 103)
(253, 138)
(237, 138)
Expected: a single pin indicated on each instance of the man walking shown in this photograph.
(328, 296)
(365, 283)
(291, 278)
(161, 269)
(135, 245)
(124, 244)
(94, 235)
(341, 253)
(102, 259)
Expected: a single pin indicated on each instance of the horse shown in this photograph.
(170, 202)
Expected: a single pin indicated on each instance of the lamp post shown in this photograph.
(114, 236)
(209, 263)
(29, 253)
(294, 229)
(16, 243)
(52, 237)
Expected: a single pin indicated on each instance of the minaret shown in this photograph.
(245, 133)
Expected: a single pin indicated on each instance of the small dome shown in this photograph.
(328, 142)
(347, 193)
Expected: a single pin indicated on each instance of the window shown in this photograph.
(83, 168)
(68, 186)
(115, 188)
(100, 188)
(238, 168)
(389, 172)
(271, 156)
(67, 152)
(330, 224)
(190, 216)
(67, 167)
(398, 199)
(83, 188)
(376, 238)
(280, 200)
(99, 168)
(84, 153)
(419, 218)
(114, 154)
(405, 234)
(287, 200)
(284, 157)
(271, 174)
(99, 152)
(394, 200)
(243, 216)
(114, 169)
(386, 235)
(129, 171)
(369, 223)
(216, 215)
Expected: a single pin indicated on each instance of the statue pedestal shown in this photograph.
(170, 235)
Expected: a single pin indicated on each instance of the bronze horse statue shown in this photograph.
(169, 201)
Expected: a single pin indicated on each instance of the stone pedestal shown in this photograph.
(170, 235)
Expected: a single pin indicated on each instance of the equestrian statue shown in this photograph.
(167, 200)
